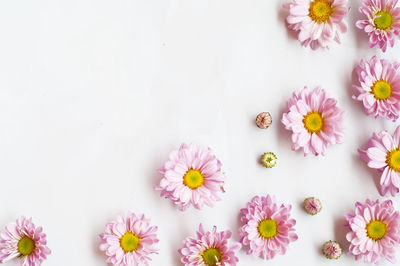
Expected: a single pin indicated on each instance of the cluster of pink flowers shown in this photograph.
(193, 176)
(319, 22)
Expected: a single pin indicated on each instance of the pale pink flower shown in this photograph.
(312, 205)
(129, 241)
(382, 22)
(267, 228)
(315, 120)
(318, 22)
(192, 176)
(332, 250)
(379, 89)
(383, 153)
(374, 231)
(25, 242)
(209, 248)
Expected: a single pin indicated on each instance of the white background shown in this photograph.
(94, 94)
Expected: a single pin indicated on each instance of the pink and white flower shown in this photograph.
(379, 89)
(382, 22)
(315, 120)
(209, 248)
(192, 176)
(383, 153)
(130, 240)
(332, 250)
(318, 22)
(312, 205)
(267, 228)
(25, 242)
(374, 231)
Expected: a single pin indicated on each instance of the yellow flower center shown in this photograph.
(129, 242)
(268, 228)
(26, 246)
(393, 159)
(381, 90)
(211, 256)
(313, 122)
(320, 11)
(383, 20)
(193, 179)
(376, 230)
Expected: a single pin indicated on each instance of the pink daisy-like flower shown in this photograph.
(209, 248)
(382, 23)
(267, 228)
(130, 240)
(375, 231)
(383, 153)
(192, 176)
(315, 120)
(24, 241)
(380, 87)
(318, 22)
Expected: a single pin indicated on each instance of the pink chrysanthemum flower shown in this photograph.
(383, 153)
(130, 240)
(24, 241)
(382, 23)
(318, 22)
(267, 228)
(209, 248)
(375, 231)
(315, 120)
(380, 87)
(192, 176)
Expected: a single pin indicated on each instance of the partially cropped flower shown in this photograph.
(25, 242)
(332, 250)
(312, 205)
(192, 176)
(129, 241)
(382, 22)
(383, 153)
(318, 22)
(374, 231)
(209, 248)
(267, 228)
(263, 120)
(268, 159)
(379, 89)
(315, 120)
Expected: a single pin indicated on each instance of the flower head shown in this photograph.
(267, 228)
(24, 241)
(263, 120)
(312, 205)
(130, 240)
(318, 22)
(382, 22)
(269, 159)
(315, 120)
(192, 176)
(383, 153)
(209, 248)
(332, 250)
(374, 231)
(379, 89)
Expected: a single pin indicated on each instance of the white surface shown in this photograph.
(94, 94)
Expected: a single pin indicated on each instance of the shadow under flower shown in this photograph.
(340, 232)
